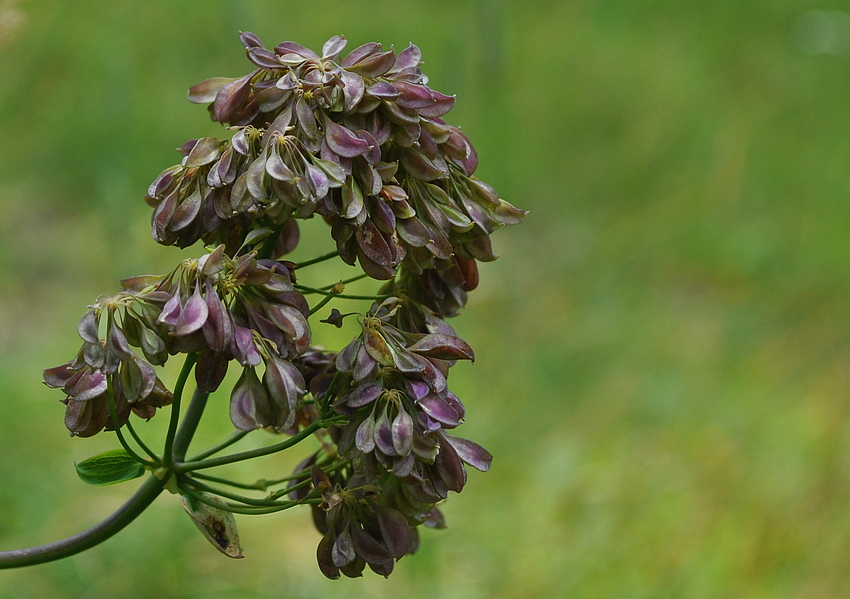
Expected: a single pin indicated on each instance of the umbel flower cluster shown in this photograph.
(361, 142)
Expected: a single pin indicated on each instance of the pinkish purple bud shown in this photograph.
(249, 403)
(193, 316)
(402, 433)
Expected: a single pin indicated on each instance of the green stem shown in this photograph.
(308, 481)
(167, 453)
(260, 485)
(330, 396)
(305, 289)
(268, 245)
(236, 436)
(187, 430)
(114, 416)
(252, 453)
(98, 533)
(346, 281)
(186, 481)
(141, 443)
(246, 510)
(321, 258)
(322, 303)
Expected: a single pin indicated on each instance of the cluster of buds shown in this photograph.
(360, 141)
(219, 308)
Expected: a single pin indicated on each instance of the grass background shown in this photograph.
(663, 349)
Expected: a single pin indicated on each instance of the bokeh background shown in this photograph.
(663, 349)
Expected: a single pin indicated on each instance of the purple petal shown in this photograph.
(364, 394)
(443, 347)
(369, 549)
(450, 468)
(249, 403)
(470, 452)
(210, 371)
(324, 556)
(186, 212)
(332, 47)
(364, 365)
(395, 531)
(416, 389)
(285, 383)
(242, 347)
(373, 65)
(352, 199)
(230, 97)
(59, 376)
(344, 361)
(193, 316)
(240, 142)
(403, 466)
(407, 58)
(276, 167)
(377, 347)
(353, 89)
(250, 40)
(306, 118)
(206, 151)
(217, 329)
(360, 52)
(441, 104)
(171, 310)
(414, 96)
(293, 48)
(318, 181)
(206, 90)
(374, 245)
(92, 384)
(440, 410)
(422, 167)
(402, 430)
(342, 140)
(342, 553)
(413, 232)
(87, 327)
(384, 435)
(292, 322)
(365, 436)
(265, 59)
(383, 90)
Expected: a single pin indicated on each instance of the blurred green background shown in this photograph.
(663, 349)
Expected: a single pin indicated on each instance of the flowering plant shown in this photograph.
(360, 142)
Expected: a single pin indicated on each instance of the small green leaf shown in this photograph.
(255, 237)
(109, 468)
(218, 526)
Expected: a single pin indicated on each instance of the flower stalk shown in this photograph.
(361, 141)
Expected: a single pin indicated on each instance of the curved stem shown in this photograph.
(252, 453)
(251, 501)
(98, 533)
(305, 289)
(141, 443)
(322, 304)
(346, 281)
(175, 407)
(249, 511)
(321, 258)
(268, 245)
(236, 436)
(187, 430)
(110, 397)
(260, 485)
